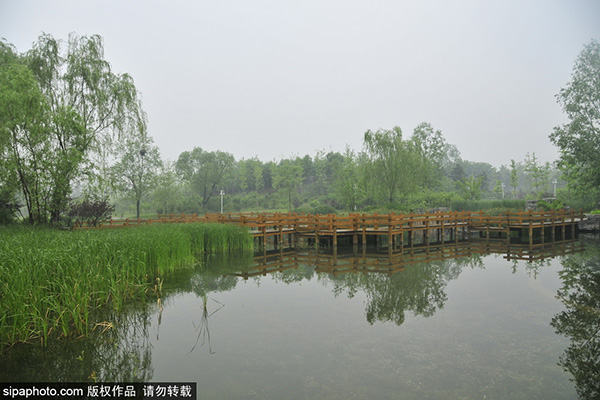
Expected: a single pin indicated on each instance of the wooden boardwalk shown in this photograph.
(394, 231)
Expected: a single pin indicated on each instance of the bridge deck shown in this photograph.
(263, 225)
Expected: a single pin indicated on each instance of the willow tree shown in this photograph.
(394, 165)
(23, 135)
(579, 140)
(22, 112)
(87, 108)
(439, 157)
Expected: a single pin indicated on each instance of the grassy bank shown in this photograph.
(51, 281)
(488, 205)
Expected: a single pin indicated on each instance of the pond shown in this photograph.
(472, 320)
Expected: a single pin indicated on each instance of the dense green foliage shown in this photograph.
(52, 281)
(61, 109)
(343, 182)
(579, 140)
(488, 205)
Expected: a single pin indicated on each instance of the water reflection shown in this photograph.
(580, 322)
(115, 351)
(393, 286)
(203, 328)
(412, 280)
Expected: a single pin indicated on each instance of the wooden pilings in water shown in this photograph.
(396, 231)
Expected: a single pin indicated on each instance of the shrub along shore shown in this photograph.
(51, 281)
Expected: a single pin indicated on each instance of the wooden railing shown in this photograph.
(273, 223)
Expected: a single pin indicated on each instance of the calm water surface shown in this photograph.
(475, 327)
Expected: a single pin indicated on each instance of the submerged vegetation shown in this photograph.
(52, 281)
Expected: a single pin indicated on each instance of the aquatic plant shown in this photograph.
(51, 281)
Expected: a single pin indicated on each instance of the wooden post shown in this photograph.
(402, 234)
(316, 227)
(427, 231)
(334, 228)
(553, 233)
(281, 232)
(390, 235)
(456, 222)
(508, 228)
(354, 232)
(530, 228)
(364, 232)
(411, 226)
(263, 227)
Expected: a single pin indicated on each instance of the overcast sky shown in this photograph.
(279, 78)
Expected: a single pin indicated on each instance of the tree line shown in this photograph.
(74, 141)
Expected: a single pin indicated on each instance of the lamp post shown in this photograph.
(554, 181)
(222, 193)
(502, 184)
(138, 194)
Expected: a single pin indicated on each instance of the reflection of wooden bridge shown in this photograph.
(334, 262)
(394, 231)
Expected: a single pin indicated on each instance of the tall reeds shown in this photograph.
(51, 281)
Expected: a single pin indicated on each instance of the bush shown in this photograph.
(316, 207)
(91, 212)
(550, 205)
(8, 208)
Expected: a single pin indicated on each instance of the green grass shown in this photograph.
(477, 205)
(51, 281)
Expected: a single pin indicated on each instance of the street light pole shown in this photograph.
(222, 193)
(555, 182)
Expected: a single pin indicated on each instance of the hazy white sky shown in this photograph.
(279, 78)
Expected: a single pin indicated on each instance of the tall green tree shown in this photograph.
(167, 192)
(90, 106)
(250, 174)
(579, 139)
(396, 163)
(514, 177)
(204, 171)
(324, 166)
(470, 188)
(347, 188)
(538, 173)
(137, 170)
(81, 106)
(24, 145)
(288, 178)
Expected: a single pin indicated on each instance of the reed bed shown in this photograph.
(51, 281)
